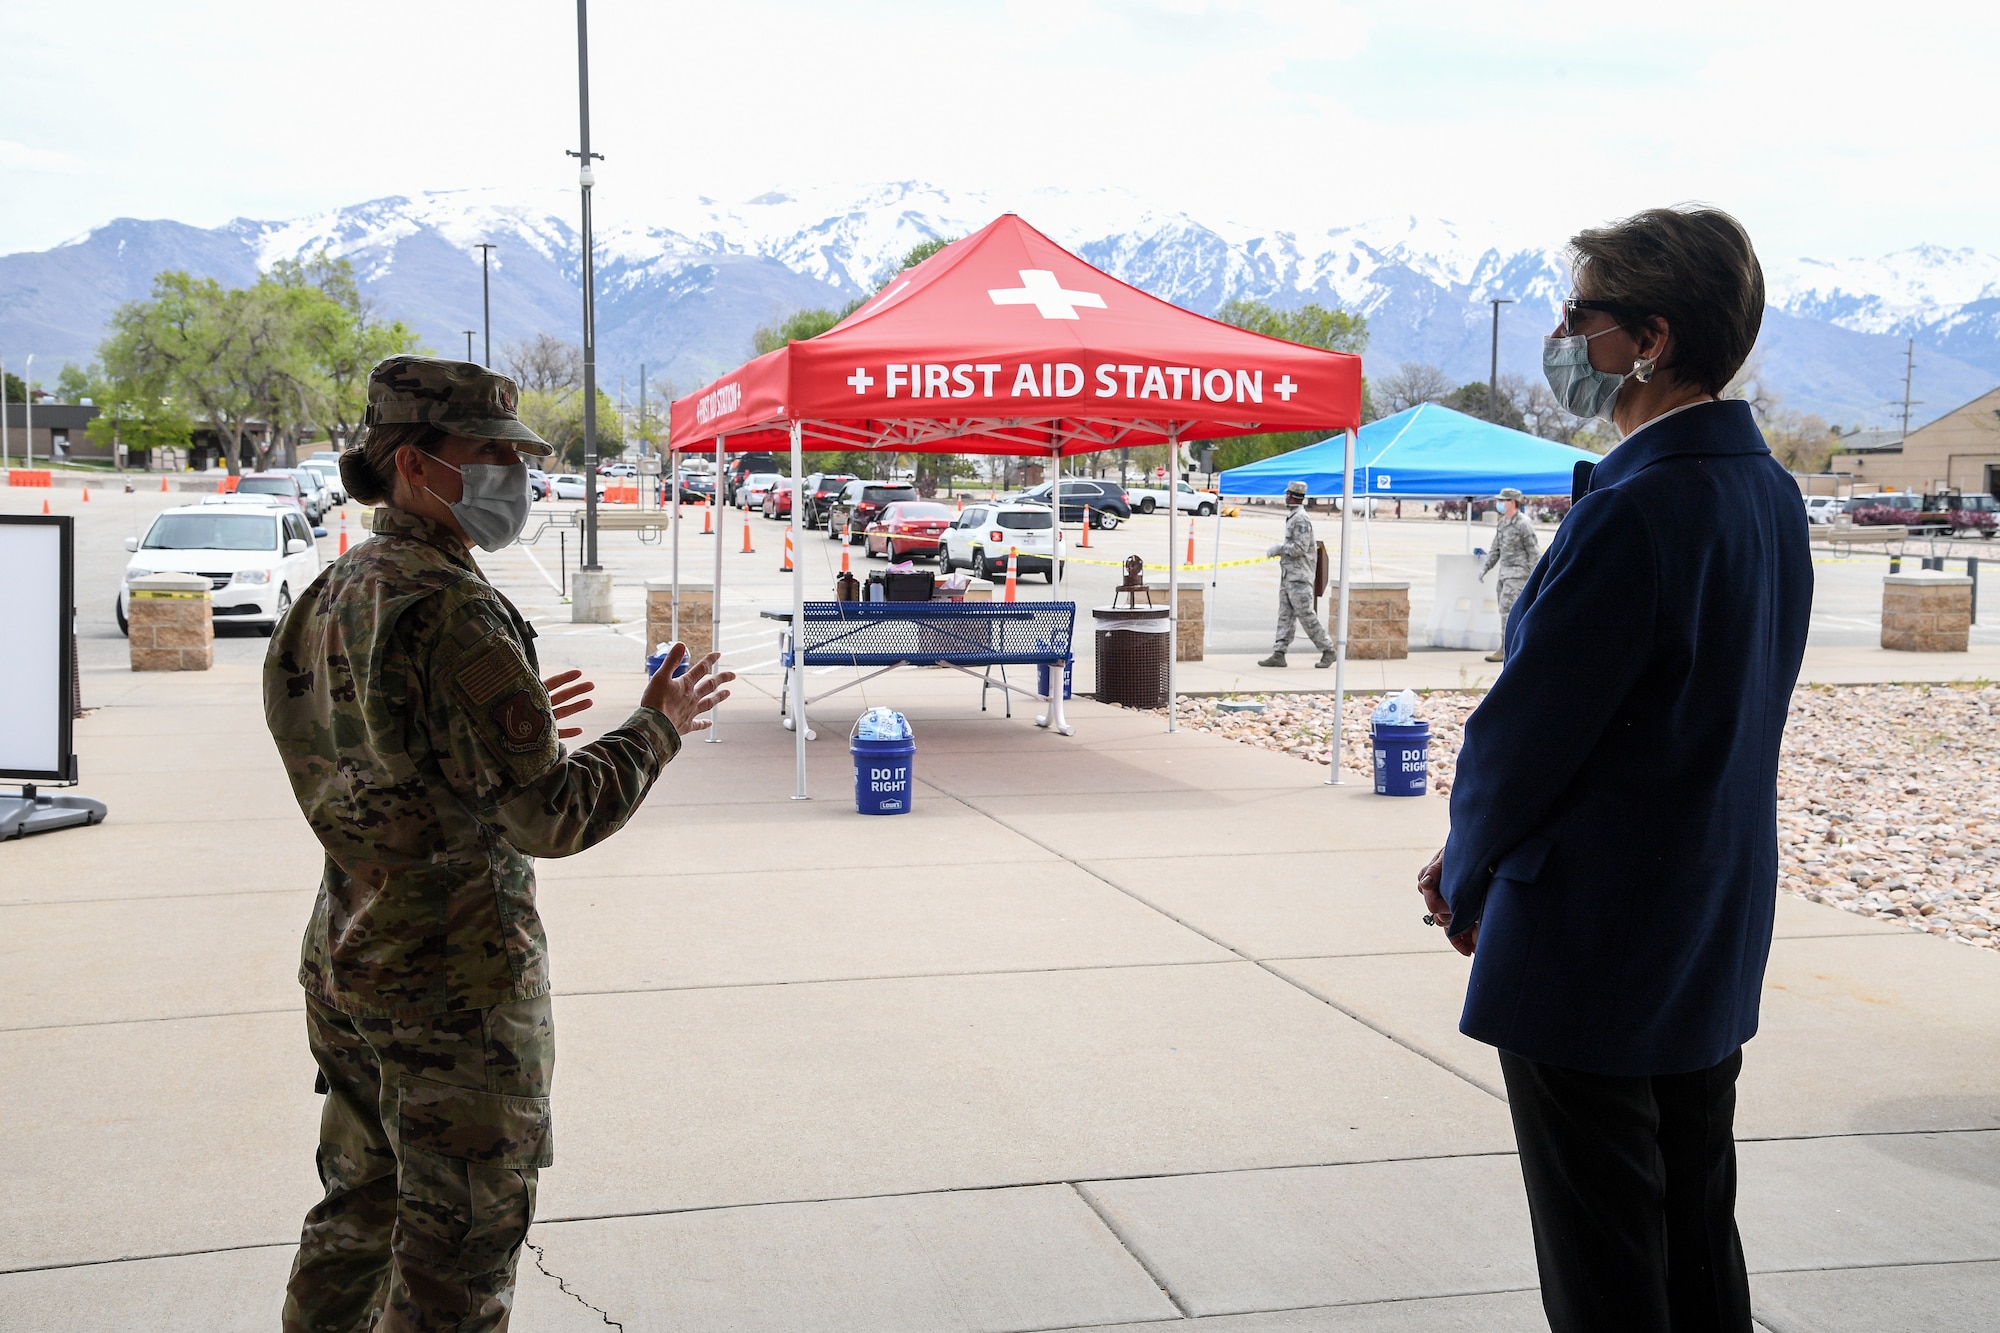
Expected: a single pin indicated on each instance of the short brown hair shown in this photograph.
(1692, 266)
(368, 469)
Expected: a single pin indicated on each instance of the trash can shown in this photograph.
(882, 771)
(1134, 645)
(1402, 758)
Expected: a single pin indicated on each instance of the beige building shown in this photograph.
(1959, 451)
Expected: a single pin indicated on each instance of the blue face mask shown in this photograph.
(1582, 389)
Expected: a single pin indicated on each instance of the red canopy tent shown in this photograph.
(1006, 343)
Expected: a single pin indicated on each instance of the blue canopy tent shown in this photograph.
(1423, 452)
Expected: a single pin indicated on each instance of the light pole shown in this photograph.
(486, 298)
(4, 453)
(593, 604)
(28, 396)
(1493, 374)
(468, 344)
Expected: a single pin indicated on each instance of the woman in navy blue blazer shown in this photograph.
(1612, 862)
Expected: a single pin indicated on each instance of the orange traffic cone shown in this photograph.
(1013, 557)
(707, 519)
(785, 568)
(961, 504)
(343, 533)
(86, 495)
(219, 489)
(844, 567)
(1085, 541)
(163, 485)
(748, 549)
(1190, 553)
(45, 506)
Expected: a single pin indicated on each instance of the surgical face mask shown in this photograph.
(494, 508)
(1581, 388)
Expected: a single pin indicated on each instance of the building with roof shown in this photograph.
(1960, 451)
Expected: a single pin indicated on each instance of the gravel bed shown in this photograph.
(1888, 795)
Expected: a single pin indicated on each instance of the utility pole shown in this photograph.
(468, 344)
(1909, 372)
(592, 603)
(486, 298)
(3, 417)
(645, 441)
(1493, 373)
(28, 394)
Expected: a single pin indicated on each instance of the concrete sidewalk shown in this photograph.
(1124, 1029)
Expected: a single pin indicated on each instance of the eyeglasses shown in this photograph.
(1575, 306)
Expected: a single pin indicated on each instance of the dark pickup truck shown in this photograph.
(861, 503)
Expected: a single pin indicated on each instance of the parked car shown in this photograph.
(329, 472)
(821, 490)
(569, 485)
(982, 536)
(858, 504)
(538, 484)
(749, 492)
(1106, 500)
(777, 502)
(281, 484)
(697, 486)
(740, 466)
(619, 470)
(1146, 499)
(908, 529)
(319, 499)
(257, 554)
(1821, 508)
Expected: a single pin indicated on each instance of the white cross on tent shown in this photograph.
(1040, 289)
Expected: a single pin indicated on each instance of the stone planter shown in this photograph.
(1190, 620)
(1926, 611)
(1378, 619)
(171, 623)
(697, 630)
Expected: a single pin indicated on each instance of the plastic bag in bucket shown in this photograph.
(884, 753)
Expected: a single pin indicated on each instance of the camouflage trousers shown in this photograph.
(430, 1140)
(1298, 606)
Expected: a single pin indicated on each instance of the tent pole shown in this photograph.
(1333, 776)
(715, 591)
(797, 683)
(1215, 572)
(1173, 577)
(1468, 525)
(674, 539)
(1058, 670)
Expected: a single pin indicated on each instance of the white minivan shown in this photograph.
(256, 553)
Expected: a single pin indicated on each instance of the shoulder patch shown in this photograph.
(523, 721)
(489, 671)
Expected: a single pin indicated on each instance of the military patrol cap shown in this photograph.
(1510, 493)
(460, 398)
(1295, 490)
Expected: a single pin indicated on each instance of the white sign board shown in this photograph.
(35, 686)
(1466, 613)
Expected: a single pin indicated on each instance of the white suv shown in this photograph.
(257, 555)
(985, 533)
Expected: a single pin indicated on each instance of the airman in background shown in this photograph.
(1514, 552)
(1298, 556)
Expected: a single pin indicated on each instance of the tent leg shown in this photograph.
(1333, 774)
(1054, 719)
(715, 594)
(674, 528)
(797, 684)
(1173, 579)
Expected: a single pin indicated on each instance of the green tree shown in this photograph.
(1473, 399)
(1312, 325)
(557, 416)
(343, 339)
(923, 250)
(73, 383)
(17, 392)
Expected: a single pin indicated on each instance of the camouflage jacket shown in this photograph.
(405, 697)
(1515, 549)
(1298, 553)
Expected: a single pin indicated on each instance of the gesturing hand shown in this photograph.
(568, 699)
(1430, 881)
(685, 699)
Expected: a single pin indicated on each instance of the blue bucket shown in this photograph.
(1069, 678)
(654, 661)
(882, 771)
(1402, 758)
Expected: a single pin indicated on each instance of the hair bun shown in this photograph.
(360, 478)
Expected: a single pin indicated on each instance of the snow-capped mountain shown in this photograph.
(683, 283)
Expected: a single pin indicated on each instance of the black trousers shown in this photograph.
(1632, 1187)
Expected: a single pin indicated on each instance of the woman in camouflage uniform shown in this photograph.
(424, 748)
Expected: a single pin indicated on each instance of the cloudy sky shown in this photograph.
(1832, 129)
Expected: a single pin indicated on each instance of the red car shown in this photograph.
(777, 502)
(908, 529)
